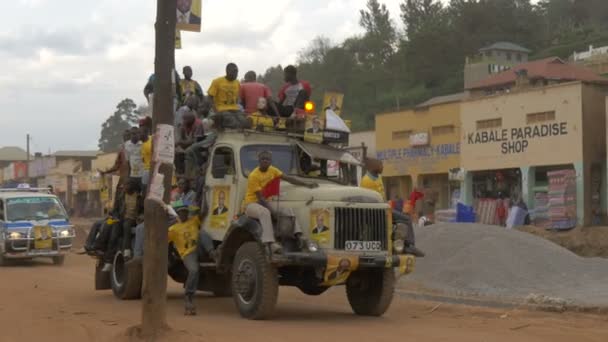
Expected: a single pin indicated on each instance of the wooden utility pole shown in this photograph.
(154, 292)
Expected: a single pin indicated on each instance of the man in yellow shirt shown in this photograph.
(184, 236)
(189, 86)
(373, 181)
(257, 205)
(224, 91)
(146, 157)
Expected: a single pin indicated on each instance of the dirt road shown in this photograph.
(42, 302)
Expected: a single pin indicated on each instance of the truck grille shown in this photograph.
(360, 224)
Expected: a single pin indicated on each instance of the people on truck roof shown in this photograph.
(190, 87)
(294, 93)
(191, 105)
(224, 91)
(252, 91)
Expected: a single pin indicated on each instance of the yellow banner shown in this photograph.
(339, 268)
(43, 237)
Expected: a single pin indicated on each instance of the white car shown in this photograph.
(33, 224)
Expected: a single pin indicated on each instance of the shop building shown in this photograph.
(419, 147)
(523, 124)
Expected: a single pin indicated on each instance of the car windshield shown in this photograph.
(34, 208)
(283, 158)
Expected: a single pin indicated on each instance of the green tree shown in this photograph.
(125, 117)
(380, 35)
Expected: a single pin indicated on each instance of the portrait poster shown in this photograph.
(319, 226)
(189, 15)
(178, 39)
(220, 209)
(333, 101)
(338, 269)
(43, 237)
(314, 129)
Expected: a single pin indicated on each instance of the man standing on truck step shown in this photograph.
(184, 237)
(258, 207)
(373, 181)
(294, 94)
(133, 154)
(190, 87)
(224, 91)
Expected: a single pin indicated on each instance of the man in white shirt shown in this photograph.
(184, 13)
(133, 155)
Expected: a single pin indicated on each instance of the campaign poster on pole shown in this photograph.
(333, 101)
(189, 15)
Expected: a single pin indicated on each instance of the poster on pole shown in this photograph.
(164, 144)
(333, 101)
(189, 15)
(178, 39)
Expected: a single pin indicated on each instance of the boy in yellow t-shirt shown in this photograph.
(256, 204)
(373, 181)
(224, 91)
(184, 236)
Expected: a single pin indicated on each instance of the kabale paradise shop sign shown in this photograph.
(517, 140)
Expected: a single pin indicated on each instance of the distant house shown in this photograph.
(493, 59)
(537, 73)
(9, 154)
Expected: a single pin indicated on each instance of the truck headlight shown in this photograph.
(64, 233)
(312, 246)
(14, 235)
(398, 246)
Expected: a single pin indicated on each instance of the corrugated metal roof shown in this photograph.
(13, 153)
(551, 68)
(437, 100)
(508, 46)
(76, 154)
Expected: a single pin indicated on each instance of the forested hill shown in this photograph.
(399, 64)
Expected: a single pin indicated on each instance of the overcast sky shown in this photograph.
(67, 63)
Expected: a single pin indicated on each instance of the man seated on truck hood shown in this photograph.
(258, 207)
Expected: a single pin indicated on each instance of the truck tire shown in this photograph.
(102, 279)
(370, 292)
(126, 278)
(59, 260)
(255, 282)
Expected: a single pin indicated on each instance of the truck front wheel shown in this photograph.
(370, 292)
(255, 283)
(126, 278)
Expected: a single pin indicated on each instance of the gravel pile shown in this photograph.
(489, 261)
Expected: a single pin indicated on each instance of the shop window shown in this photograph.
(397, 135)
(533, 118)
(489, 124)
(508, 56)
(442, 130)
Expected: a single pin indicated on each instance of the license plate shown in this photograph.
(363, 246)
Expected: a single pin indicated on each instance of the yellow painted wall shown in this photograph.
(401, 159)
(565, 99)
(104, 161)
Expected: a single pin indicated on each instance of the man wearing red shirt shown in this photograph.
(252, 91)
(294, 94)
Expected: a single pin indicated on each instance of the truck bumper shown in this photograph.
(404, 262)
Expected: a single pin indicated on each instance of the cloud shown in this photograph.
(65, 66)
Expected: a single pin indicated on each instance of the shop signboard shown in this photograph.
(419, 139)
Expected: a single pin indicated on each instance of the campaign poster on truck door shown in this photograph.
(189, 15)
(219, 207)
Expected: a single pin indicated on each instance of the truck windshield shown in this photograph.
(34, 208)
(283, 158)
